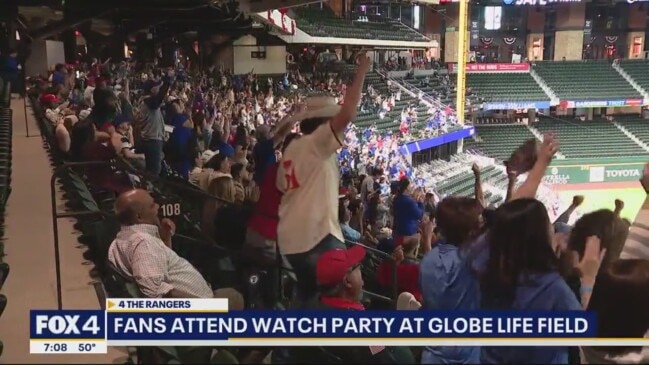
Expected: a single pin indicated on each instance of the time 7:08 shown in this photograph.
(63, 347)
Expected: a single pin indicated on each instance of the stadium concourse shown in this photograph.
(30, 252)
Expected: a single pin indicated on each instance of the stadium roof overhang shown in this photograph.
(41, 19)
(256, 6)
(300, 37)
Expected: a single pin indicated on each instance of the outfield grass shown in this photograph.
(604, 199)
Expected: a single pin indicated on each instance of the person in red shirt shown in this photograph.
(340, 284)
(261, 236)
(262, 226)
(405, 257)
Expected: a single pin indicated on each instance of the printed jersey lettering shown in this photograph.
(291, 179)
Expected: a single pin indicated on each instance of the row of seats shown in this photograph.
(98, 227)
(585, 80)
(500, 120)
(637, 125)
(506, 87)
(434, 88)
(464, 185)
(456, 178)
(597, 138)
(5, 180)
(220, 266)
(369, 119)
(322, 22)
(498, 141)
(637, 69)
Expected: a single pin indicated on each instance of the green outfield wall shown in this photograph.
(582, 171)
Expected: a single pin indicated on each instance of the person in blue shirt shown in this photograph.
(58, 77)
(219, 141)
(408, 211)
(446, 278)
(10, 69)
(522, 272)
(268, 142)
(345, 215)
(181, 149)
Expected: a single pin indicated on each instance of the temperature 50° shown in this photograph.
(87, 347)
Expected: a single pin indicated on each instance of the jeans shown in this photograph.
(265, 249)
(304, 265)
(152, 149)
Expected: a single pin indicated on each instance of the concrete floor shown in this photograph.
(30, 252)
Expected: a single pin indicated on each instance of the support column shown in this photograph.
(461, 61)
(8, 15)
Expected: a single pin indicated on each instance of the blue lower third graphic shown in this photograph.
(340, 324)
(84, 324)
(67, 332)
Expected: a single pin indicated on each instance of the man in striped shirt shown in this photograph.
(142, 251)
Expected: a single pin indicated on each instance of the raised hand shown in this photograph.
(475, 168)
(548, 148)
(592, 259)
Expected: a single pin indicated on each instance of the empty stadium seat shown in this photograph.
(506, 87)
(6, 126)
(585, 80)
(4, 273)
(498, 141)
(637, 69)
(638, 126)
(597, 138)
(387, 124)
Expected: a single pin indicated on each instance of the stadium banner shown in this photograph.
(582, 174)
(207, 322)
(491, 67)
(600, 103)
(513, 105)
(445, 138)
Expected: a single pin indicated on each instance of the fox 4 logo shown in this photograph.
(66, 325)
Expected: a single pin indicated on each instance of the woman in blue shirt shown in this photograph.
(522, 273)
(407, 211)
(446, 278)
(181, 146)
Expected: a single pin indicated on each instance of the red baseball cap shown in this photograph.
(334, 265)
(49, 98)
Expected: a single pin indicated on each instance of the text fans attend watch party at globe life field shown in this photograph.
(198, 182)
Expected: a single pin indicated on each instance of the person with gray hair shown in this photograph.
(142, 252)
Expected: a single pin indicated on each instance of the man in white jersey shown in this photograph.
(309, 178)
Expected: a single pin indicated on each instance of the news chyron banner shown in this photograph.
(207, 322)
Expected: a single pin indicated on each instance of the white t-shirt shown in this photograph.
(309, 177)
(87, 94)
(367, 186)
(269, 101)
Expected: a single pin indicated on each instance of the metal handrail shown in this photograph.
(127, 167)
(56, 215)
(279, 261)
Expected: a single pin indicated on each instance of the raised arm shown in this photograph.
(282, 130)
(127, 90)
(511, 183)
(546, 152)
(353, 96)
